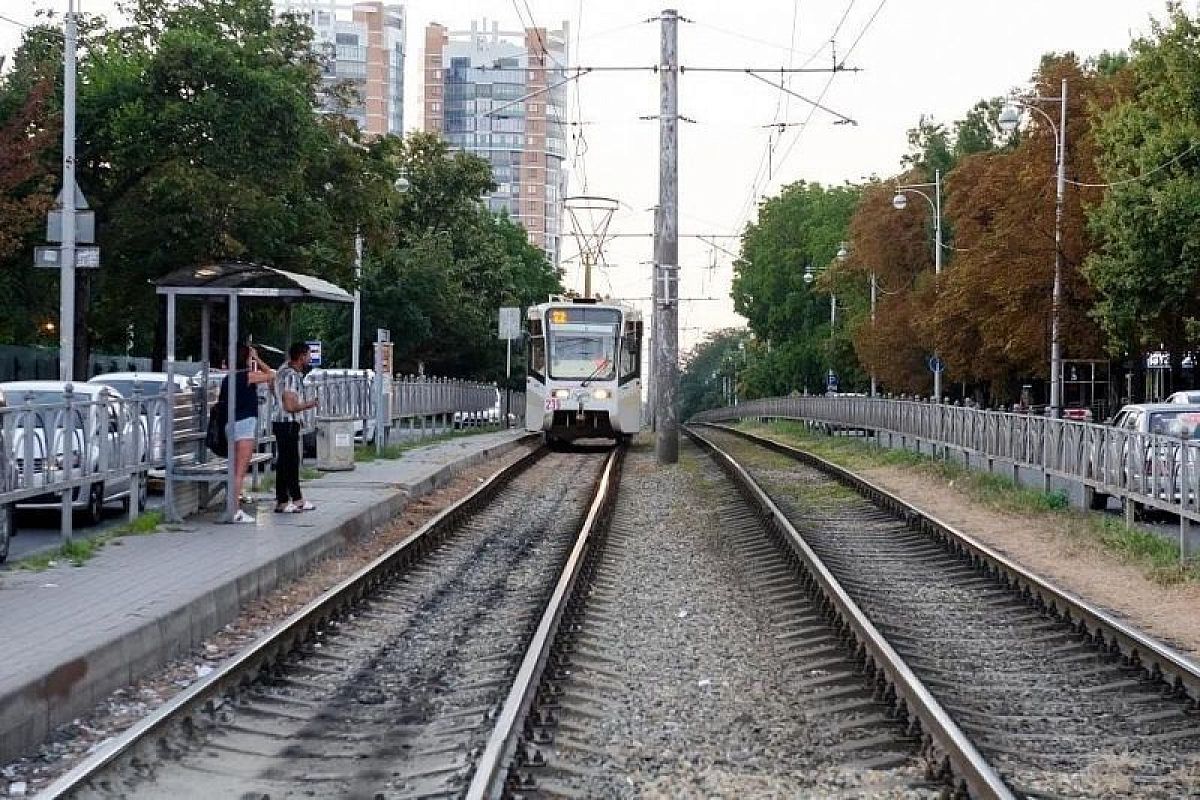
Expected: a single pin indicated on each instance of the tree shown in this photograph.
(799, 229)
(1146, 267)
(991, 318)
(713, 366)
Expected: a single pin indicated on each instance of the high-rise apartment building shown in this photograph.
(361, 43)
(482, 95)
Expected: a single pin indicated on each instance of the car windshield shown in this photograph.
(41, 397)
(125, 386)
(582, 342)
(1176, 423)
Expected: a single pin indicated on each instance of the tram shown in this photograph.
(584, 368)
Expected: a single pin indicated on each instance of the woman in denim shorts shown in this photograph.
(250, 372)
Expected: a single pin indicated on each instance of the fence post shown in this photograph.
(68, 445)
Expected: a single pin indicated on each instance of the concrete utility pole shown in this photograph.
(66, 319)
(356, 332)
(666, 250)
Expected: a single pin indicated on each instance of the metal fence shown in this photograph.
(1143, 469)
(76, 441)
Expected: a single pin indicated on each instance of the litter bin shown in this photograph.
(335, 444)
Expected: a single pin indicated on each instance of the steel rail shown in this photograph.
(204, 698)
(965, 761)
(1162, 662)
(492, 769)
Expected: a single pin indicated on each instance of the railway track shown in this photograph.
(789, 712)
(388, 685)
(1054, 696)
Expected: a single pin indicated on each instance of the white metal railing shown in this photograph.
(1150, 469)
(75, 442)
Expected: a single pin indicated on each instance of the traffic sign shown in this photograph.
(85, 226)
(314, 352)
(935, 365)
(831, 381)
(51, 257)
(80, 200)
(510, 323)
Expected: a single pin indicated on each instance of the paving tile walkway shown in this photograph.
(73, 634)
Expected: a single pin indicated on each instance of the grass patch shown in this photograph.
(365, 454)
(310, 474)
(81, 550)
(1157, 556)
(267, 482)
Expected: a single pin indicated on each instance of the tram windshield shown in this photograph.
(582, 342)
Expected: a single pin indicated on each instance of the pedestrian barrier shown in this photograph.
(1144, 470)
(75, 443)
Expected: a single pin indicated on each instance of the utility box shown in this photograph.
(335, 445)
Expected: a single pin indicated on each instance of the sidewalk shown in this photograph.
(73, 634)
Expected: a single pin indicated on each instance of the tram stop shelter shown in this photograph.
(231, 283)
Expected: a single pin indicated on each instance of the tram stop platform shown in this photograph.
(72, 635)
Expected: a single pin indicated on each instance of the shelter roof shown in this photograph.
(249, 280)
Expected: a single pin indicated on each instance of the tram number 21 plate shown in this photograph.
(552, 404)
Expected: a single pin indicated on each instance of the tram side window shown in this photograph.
(631, 351)
(537, 349)
(537, 356)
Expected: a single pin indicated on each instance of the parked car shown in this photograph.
(98, 432)
(1173, 421)
(1077, 414)
(489, 416)
(363, 432)
(8, 481)
(1187, 398)
(149, 384)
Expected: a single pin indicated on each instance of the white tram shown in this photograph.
(584, 368)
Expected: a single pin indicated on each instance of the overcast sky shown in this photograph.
(933, 57)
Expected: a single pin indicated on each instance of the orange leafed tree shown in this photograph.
(992, 313)
(25, 182)
(896, 247)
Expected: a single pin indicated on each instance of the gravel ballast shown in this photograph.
(702, 670)
(1056, 714)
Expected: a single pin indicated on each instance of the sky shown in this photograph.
(917, 57)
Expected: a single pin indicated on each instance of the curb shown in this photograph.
(29, 713)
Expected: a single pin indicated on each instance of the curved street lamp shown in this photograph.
(900, 202)
(1009, 118)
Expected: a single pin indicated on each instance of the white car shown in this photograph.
(319, 376)
(99, 435)
(1190, 398)
(149, 383)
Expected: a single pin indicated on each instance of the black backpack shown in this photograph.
(215, 438)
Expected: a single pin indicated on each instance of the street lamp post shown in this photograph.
(900, 202)
(401, 185)
(1008, 120)
(809, 276)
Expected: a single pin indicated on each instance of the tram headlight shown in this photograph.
(562, 394)
(601, 394)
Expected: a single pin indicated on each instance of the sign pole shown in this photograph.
(66, 322)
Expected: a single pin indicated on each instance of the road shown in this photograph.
(39, 532)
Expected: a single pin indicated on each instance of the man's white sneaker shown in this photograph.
(243, 518)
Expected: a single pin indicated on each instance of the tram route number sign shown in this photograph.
(510, 323)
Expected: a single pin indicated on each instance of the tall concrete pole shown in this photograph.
(937, 265)
(666, 344)
(1056, 295)
(356, 333)
(66, 317)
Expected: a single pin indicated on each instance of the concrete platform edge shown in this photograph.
(29, 713)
